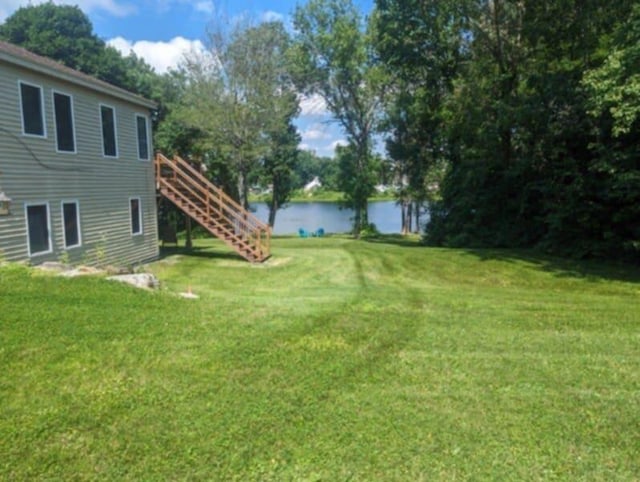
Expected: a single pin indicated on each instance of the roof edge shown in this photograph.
(24, 58)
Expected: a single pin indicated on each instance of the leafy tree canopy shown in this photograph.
(64, 33)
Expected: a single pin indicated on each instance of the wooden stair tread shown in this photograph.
(193, 194)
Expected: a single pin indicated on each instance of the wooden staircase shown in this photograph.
(214, 210)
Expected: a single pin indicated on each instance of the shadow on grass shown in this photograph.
(594, 270)
(410, 241)
(207, 252)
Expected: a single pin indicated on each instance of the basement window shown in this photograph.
(135, 211)
(71, 224)
(38, 229)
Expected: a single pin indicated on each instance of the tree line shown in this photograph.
(514, 123)
(525, 112)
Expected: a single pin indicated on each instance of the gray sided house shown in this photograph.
(76, 162)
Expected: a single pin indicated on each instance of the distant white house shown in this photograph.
(310, 186)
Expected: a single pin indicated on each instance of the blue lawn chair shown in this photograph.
(303, 233)
(319, 232)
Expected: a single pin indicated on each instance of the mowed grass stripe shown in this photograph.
(336, 360)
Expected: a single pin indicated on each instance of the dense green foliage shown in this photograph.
(310, 165)
(278, 168)
(420, 65)
(332, 57)
(239, 96)
(338, 359)
(532, 107)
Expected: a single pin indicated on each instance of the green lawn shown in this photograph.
(336, 360)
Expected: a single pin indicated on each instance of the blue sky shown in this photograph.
(161, 30)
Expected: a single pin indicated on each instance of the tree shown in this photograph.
(614, 86)
(311, 165)
(64, 33)
(279, 168)
(355, 182)
(493, 93)
(60, 32)
(334, 60)
(239, 95)
(421, 67)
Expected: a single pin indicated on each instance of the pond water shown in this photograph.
(311, 216)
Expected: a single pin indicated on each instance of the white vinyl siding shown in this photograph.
(32, 109)
(64, 123)
(109, 131)
(71, 224)
(142, 131)
(38, 228)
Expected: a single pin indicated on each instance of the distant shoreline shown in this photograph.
(321, 197)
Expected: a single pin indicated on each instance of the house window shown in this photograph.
(109, 142)
(143, 142)
(63, 115)
(38, 230)
(71, 224)
(32, 109)
(136, 215)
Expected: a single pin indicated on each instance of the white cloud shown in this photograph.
(162, 56)
(312, 105)
(113, 7)
(322, 148)
(327, 150)
(339, 142)
(205, 7)
(271, 16)
(199, 6)
(318, 133)
(315, 132)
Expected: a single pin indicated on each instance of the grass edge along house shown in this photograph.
(76, 171)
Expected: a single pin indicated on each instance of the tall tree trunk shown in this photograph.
(243, 190)
(417, 211)
(357, 221)
(365, 214)
(403, 217)
(273, 209)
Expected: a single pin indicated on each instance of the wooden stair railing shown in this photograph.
(212, 208)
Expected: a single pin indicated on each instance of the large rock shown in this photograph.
(139, 280)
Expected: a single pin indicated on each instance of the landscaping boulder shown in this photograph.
(139, 280)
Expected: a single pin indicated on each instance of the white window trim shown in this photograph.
(64, 230)
(115, 129)
(42, 110)
(26, 220)
(140, 217)
(146, 123)
(73, 121)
